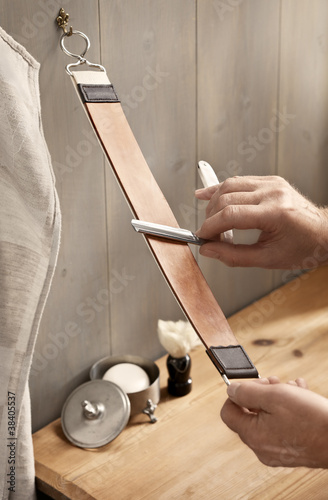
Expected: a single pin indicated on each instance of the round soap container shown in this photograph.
(144, 401)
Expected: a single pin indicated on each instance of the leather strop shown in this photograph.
(147, 202)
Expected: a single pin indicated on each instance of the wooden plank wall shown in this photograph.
(238, 61)
(158, 93)
(198, 80)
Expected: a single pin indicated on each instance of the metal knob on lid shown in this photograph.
(95, 414)
(144, 401)
(92, 411)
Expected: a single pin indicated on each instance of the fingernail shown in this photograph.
(231, 390)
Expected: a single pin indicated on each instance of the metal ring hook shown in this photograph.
(68, 52)
(80, 57)
(62, 20)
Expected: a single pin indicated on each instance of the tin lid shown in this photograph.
(95, 413)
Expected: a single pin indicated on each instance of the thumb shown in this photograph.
(245, 402)
(250, 395)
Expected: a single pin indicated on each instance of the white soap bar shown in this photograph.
(129, 377)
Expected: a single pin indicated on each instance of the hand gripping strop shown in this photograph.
(175, 259)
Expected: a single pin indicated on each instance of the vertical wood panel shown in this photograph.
(149, 50)
(237, 51)
(72, 334)
(303, 98)
(303, 146)
(107, 286)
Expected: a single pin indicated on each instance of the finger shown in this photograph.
(238, 255)
(237, 419)
(264, 381)
(232, 185)
(234, 217)
(206, 193)
(301, 383)
(273, 380)
(219, 202)
(249, 183)
(249, 395)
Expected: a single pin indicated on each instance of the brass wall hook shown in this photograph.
(62, 21)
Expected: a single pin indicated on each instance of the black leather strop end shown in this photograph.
(97, 93)
(232, 361)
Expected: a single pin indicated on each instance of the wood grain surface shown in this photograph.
(196, 80)
(189, 453)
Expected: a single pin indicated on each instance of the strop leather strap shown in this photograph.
(147, 203)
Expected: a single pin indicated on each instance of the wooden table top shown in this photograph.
(189, 453)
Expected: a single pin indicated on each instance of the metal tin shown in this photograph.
(143, 401)
(95, 413)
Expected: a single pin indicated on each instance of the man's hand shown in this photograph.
(285, 425)
(294, 231)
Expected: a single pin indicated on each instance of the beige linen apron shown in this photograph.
(29, 241)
